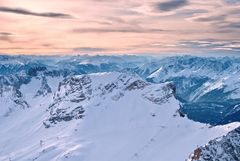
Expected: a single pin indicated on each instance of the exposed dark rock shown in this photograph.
(18, 99)
(44, 89)
(110, 87)
(226, 148)
(138, 84)
(67, 114)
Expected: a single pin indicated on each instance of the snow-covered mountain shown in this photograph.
(122, 108)
(103, 116)
(207, 87)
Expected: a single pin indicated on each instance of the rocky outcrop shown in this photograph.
(226, 148)
(75, 94)
(64, 115)
(44, 89)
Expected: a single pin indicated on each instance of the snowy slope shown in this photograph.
(105, 117)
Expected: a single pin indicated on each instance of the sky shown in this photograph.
(119, 26)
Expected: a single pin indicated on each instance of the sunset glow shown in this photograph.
(123, 26)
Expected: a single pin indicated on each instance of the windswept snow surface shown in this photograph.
(125, 119)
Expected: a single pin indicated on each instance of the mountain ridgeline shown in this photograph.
(208, 88)
(69, 107)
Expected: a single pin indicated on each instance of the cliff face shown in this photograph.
(226, 148)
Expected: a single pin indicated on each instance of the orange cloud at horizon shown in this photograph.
(124, 26)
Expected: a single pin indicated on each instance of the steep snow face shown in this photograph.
(223, 148)
(10, 100)
(104, 117)
(17, 92)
